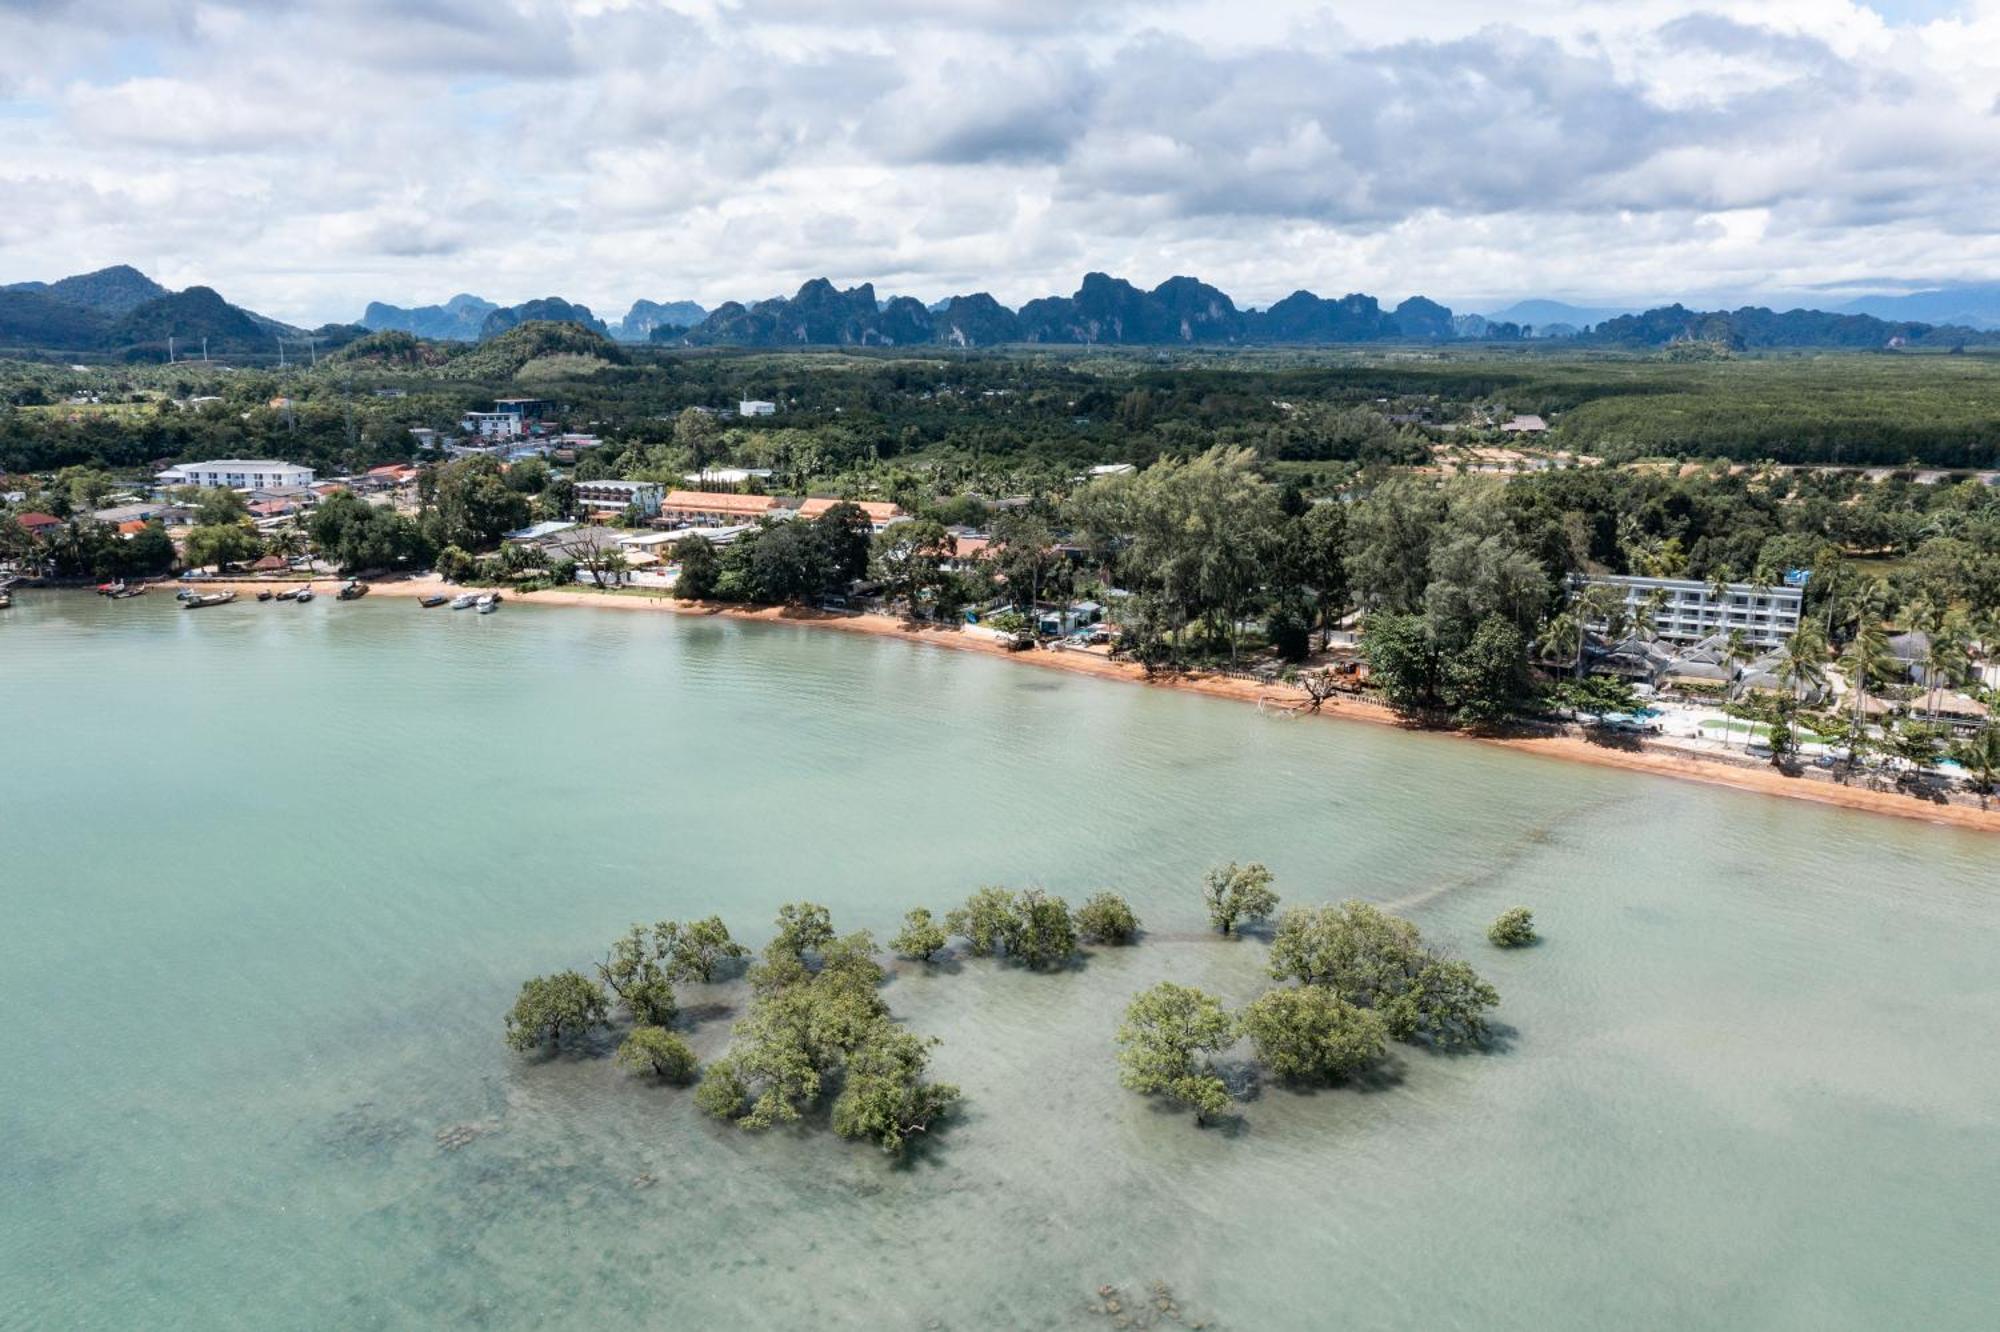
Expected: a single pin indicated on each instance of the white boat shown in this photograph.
(488, 604)
(305, 595)
(464, 600)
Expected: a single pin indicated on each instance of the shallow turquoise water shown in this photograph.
(270, 875)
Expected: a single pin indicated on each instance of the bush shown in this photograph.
(1106, 919)
(1514, 928)
(1310, 1034)
(657, 1051)
(921, 937)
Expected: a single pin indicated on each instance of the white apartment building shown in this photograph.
(237, 474)
(756, 407)
(614, 497)
(493, 425)
(1689, 611)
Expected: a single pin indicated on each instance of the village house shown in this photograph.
(39, 524)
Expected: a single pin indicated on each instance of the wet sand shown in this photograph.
(1759, 778)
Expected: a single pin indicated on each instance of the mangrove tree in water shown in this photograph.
(1167, 1035)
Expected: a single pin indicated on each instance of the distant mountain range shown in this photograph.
(466, 318)
(1104, 310)
(121, 311)
(1973, 305)
(1542, 315)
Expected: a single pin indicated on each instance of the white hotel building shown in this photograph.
(238, 474)
(1690, 612)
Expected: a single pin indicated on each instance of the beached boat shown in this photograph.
(264, 594)
(110, 589)
(289, 594)
(353, 590)
(201, 599)
(305, 595)
(465, 601)
(489, 603)
(129, 591)
(430, 603)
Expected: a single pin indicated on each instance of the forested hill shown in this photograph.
(1755, 328)
(120, 311)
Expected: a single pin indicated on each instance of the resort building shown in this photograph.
(756, 407)
(880, 512)
(715, 508)
(492, 425)
(610, 498)
(1688, 611)
(237, 474)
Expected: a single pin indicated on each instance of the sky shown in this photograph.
(307, 156)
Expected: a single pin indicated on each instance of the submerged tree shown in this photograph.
(803, 927)
(693, 948)
(1308, 1033)
(553, 1009)
(1375, 960)
(884, 1096)
(920, 938)
(1238, 894)
(808, 1031)
(657, 1051)
(1045, 935)
(1029, 927)
(986, 922)
(1514, 928)
(634, 972)
(1166, 1034)
(1106, 919)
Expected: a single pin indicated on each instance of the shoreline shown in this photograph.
(1758, 779)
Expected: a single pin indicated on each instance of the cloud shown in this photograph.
(306, 156)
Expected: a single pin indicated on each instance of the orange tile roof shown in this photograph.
(703, 501)
(878, 511)
(128, 529)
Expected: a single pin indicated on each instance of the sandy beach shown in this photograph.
(1754, 777)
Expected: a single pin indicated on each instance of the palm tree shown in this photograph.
(1802, 663)
(1562, 638)
(1867, 661)
(1947, 659)
(1979, 755)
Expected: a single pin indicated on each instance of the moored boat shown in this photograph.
(305, 594)
(264, 594)
(129, 591)
(429, 603)
(464, 600)
(6, 599)
(290, 594)
(201, 599)
(489, 603)
(353, 590)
